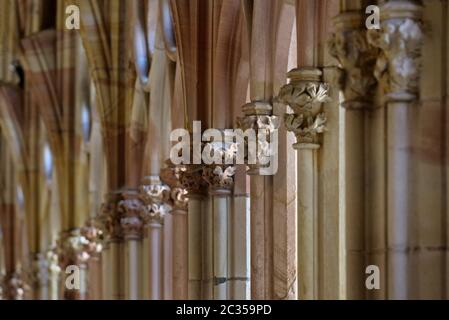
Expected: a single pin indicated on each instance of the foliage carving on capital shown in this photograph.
(155, 196)
(305, 129)
(191, 179)
(171, 175)
(305, 94)
(110, 219)
(94, 234)
(179, 198)
(400, 40)
(73, 248)
(264, 126)
(357, 58)
(131, 209)
(219, 178)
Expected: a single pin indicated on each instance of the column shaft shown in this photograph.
(155, 263)
(307, 222)
(220, 246)
(195, 253)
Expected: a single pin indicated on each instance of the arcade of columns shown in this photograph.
(85, 123)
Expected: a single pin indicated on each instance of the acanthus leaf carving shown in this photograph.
(263, 125)
(179, 198)
(357, 58)
(191, 179)
(219, 178)
(131, 210)
(155, 196)
(93, 233)
(171, 175)
(109, 217)
(305, 94)
(305, 129)
(73, 248)
(400, 40)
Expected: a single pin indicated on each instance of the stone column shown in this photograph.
(113, 266)
(305, 94)
(130, 210)
(155, 196)
(258, 117)
(192, 181)
(357, 58)
(220, 181)
(400, 40)
(178, 198)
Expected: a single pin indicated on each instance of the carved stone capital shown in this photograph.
(357, 58)
(258, 122)
(94, 234)
(220, 151)
(305, 94)
(153, 190)
(191, 179)
(263, 125)
(171, 175)
(73, 248)
(220, 179)
(110, 217)
(179, 200)
(399, 39)
(131, 209)
(156, 199)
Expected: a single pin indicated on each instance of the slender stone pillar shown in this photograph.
(239, 264)
(305, 94)
(192, 181)
(155, 196)
(220, 180)
(258, 117)
(180, 255)
(131, 209)
(357, 59)
(112, 254)
(400, 39)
